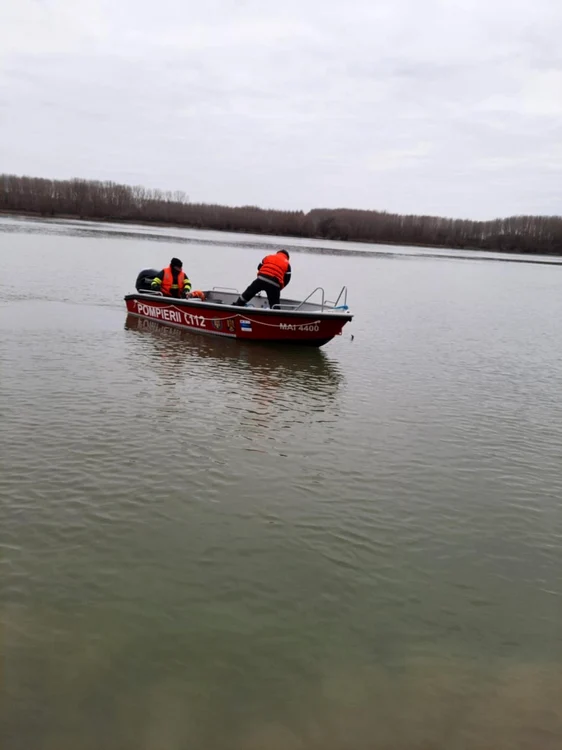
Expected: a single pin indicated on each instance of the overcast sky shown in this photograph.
(449, 107)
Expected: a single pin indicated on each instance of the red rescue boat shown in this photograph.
(293, 322)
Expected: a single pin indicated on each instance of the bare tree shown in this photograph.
(90, 199)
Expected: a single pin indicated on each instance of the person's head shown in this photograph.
(176, 263)
(284, 252)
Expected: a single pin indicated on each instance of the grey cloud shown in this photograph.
(425, 106)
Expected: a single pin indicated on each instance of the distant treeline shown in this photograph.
(88, 199)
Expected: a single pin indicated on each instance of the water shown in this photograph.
(209, 544)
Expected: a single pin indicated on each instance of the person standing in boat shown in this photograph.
(172, 281)
(274, 273)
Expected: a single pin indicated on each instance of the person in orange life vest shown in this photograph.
(274, 273)
(172, 281)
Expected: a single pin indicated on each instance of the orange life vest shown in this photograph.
(275, 266)
(168, 282)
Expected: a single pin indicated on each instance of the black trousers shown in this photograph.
(259, 285)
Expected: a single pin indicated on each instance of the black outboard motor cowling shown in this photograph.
(144, 280)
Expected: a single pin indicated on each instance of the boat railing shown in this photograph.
(283, 306)
(323, 304)
(229, 289)
(336, 305)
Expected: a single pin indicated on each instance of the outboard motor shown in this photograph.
(144, 280)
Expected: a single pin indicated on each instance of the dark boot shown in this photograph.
(240, 302)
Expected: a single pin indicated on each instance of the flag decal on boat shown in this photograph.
(246, 325)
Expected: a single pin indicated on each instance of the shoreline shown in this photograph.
(454, 251)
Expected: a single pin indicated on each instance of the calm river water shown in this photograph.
(206, 544)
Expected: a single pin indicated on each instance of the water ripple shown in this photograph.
(209, 543)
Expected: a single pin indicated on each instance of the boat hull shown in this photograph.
(311, 328)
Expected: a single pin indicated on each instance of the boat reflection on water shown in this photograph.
(272, 367)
